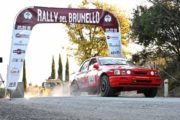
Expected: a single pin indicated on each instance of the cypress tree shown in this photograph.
(53, 74)
(24, 76)
(67, 70)
(60, 69)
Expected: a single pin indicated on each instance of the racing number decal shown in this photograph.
(91, 80)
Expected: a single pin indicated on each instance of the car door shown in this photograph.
(92, 73)
(82, 75)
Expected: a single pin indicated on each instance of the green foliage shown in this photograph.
(158, 26)
(24, 79)
(67, 70)
(158, 29)
(90, 39)
(170, 73)
(60, 68)
(53, 73)
(88, 44)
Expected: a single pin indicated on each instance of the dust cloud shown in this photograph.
(38, 91)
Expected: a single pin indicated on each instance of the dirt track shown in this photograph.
(90, 108)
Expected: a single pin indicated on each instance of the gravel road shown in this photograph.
(90, 108)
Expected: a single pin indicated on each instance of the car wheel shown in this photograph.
(74, 89)
(150, 92)
(105, 89)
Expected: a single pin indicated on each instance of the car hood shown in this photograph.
(126, 67)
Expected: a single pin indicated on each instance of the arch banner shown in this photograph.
(31, 16)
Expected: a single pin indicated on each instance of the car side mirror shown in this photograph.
(96, 66)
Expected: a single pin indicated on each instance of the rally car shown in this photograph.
(108, 76)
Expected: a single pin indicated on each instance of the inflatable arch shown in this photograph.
(31, 16)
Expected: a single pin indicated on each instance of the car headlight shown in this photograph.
(152, 73)
(117, 72)
(128, 72)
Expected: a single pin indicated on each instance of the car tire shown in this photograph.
(150, 92)
(104, 88)
(74, 89)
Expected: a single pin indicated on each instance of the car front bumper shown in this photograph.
(135, 81)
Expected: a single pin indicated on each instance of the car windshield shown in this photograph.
(114, 61)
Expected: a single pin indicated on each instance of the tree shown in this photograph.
(158, 27)
(24, 76)
(60, 68)
(67, 70)
(90, 39)
(53, 74)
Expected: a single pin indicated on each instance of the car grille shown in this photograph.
(140, 73)
(143, 81)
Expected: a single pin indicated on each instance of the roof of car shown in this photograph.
(108, 57)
